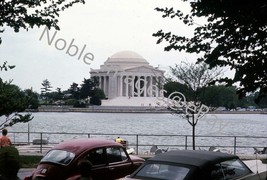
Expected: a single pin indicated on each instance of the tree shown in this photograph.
(46, 89)
(234, 36)
(191, 111)
(13, 101)
(97, 95)
(216, 96)
(195, 76)
(172, 86)
(5, 66)
(26, 14)
(263, 102)
(87, 87)
(74, 90)
(33, 99)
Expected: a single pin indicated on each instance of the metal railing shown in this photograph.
(143, 142)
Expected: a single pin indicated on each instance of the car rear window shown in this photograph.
(58, 157)
(162, 171)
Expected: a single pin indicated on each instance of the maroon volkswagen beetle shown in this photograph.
(110, 160)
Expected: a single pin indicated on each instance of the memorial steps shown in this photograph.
(133, 101)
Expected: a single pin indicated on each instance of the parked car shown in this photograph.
(189, 164)
(109, 159)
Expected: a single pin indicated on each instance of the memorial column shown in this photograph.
(132, 84)
(145, 85)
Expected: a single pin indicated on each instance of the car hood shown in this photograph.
(135, 158)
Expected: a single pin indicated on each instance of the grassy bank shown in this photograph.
(29, 161)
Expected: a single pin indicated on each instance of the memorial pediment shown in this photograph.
(143, 69)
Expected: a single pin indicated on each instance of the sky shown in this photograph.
(100, 28)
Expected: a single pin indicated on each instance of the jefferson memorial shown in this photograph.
(127, 79)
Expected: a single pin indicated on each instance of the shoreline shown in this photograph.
(125, 109)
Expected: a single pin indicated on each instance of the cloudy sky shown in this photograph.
(104, 27)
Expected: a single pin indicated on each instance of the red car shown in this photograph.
(110, 160)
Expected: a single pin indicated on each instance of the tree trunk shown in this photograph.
(193, 132)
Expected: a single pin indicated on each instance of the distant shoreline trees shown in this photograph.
(76, 95)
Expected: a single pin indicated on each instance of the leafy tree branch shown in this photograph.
(234, 36)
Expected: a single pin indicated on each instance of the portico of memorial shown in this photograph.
(127, 79)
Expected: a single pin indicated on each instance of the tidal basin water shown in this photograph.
(157, 124)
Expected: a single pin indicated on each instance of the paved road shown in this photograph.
(25, 172)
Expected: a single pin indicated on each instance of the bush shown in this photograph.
(95, 101)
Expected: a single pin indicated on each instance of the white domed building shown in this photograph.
(127, 79)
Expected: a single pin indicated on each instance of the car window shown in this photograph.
(116, 154)
(229, 170)
(162, 171)
(97, 156)
(58, 156)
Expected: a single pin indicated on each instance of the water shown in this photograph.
(123, 123)
(160, 124)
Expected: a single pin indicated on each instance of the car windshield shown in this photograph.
(58, 156)
(229, 169)
(162, 171)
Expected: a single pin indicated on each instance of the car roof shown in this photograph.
(198, 158)
(79, 145)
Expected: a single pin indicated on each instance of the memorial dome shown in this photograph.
(126, 57)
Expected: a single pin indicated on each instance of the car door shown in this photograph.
(119, 163)
(99, 163)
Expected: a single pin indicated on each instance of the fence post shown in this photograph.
(88, 135)
(185, 142)
(137, 144)
(41, 145)
(234, 145)
(14, 138)
(28, 133)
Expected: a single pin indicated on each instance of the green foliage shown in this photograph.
(216, 96)
(195, 77)
(13, 101)
(172, 86)
(28, 161)
(79, 104)
(27, 13)
(46, 86)
(87, 87)
(74, 90)
(70, 101)
(97, 95)
(5, 66)
(32, 99)
(46, 89)
(9, 162)
(95, 101)
(234, 36)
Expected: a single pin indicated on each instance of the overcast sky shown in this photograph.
(105, 27)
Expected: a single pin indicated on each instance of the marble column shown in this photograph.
(139, 86)
(105, 85)
(151, 86)
(132, 84)
(120, 86)
(145, 85)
